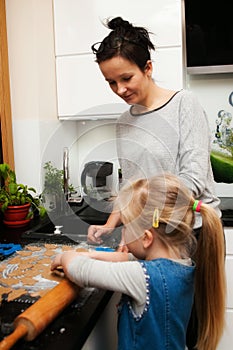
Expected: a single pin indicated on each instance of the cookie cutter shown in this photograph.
(9, 248)
(105, 249)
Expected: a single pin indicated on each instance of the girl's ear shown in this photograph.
(147, 238)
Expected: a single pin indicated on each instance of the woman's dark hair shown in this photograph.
(125, 40)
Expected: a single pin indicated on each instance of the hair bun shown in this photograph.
(118, 22)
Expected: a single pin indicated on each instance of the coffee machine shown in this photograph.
(97, 180)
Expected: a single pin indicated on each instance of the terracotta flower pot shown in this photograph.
(16, 216)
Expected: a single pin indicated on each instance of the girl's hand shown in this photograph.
(56, 262)
(63, 260)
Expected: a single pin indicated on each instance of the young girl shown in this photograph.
(157, 276)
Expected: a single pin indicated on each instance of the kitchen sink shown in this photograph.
(73, 227)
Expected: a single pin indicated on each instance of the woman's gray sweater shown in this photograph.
(174, 138)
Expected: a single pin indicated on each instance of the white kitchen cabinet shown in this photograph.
(167, 63)
(82, 92)
(78, 23)
(227, 338)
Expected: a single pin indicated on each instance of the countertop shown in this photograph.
(73, 326)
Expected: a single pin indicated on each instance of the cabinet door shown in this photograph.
(167, 64)
(229, 240)
(81, 89)
(229, 266)
(229, 269)
(84, 94)
(227, 338)
(78, 23)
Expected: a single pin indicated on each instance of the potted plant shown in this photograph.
(18, 202)
(53, 192)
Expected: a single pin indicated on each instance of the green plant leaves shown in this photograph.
(12, 193)
(12, 188)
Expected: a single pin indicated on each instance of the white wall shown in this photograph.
(37, 133)
(32, 81)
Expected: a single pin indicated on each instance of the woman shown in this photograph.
(163, 130)
(157, 277)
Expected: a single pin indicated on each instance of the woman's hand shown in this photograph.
(122, 247)
(96, 231)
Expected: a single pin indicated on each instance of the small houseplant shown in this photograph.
(53, 191)
(18, 202)
(53, 180)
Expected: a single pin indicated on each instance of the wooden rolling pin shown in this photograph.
(37, 317)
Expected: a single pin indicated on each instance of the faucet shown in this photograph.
(66, 172)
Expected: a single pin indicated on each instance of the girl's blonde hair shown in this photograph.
(174, 203)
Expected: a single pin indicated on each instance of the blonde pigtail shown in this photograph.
(210, 282)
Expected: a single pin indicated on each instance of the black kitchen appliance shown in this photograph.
(208, 33)
(97, 180)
